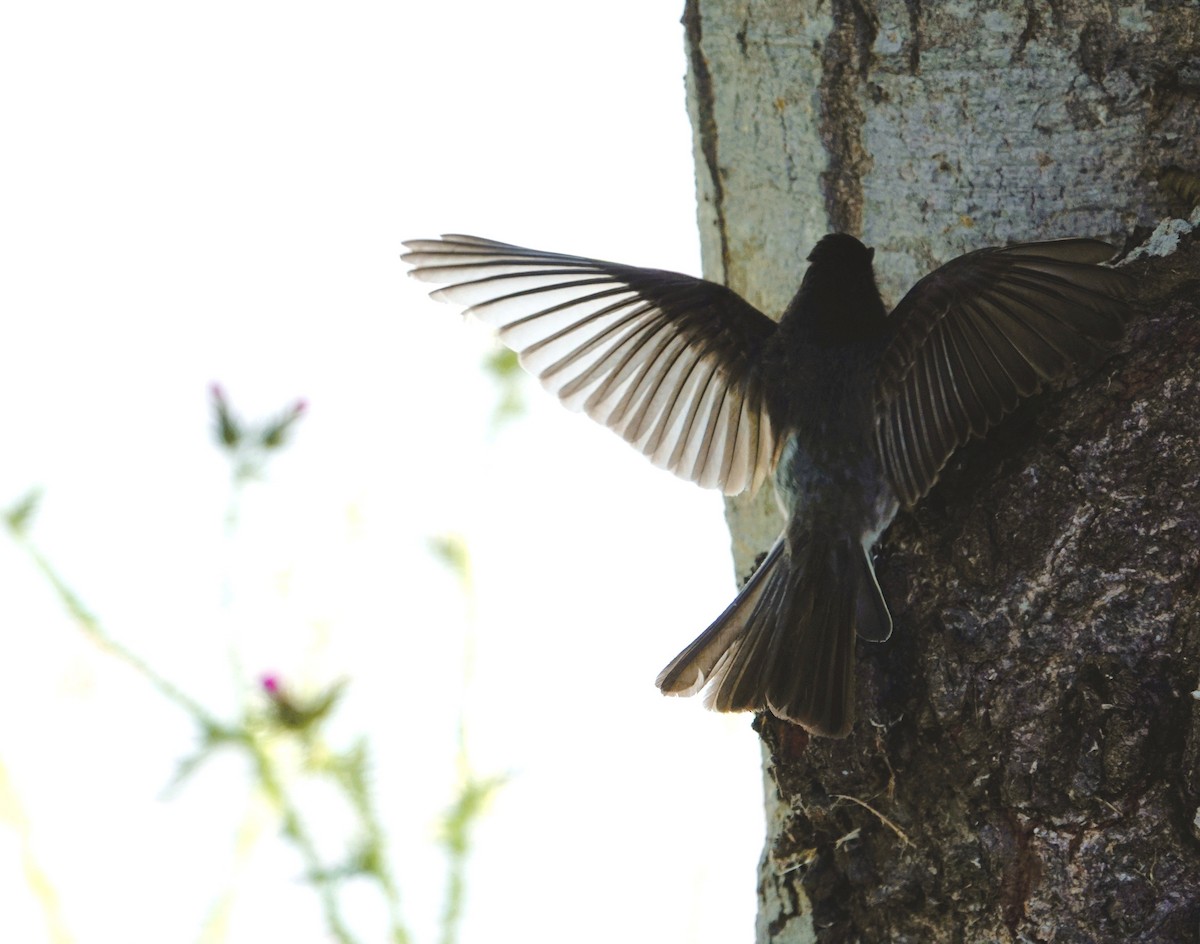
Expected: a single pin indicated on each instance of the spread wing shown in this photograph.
(973, 337)
(667, 361)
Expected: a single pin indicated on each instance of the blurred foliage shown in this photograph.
(250, 445)
(451, 550)
(504, 368)
(281, 732)
(19, 515)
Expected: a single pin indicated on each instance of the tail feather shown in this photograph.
(786, 644)
(693, 668)
(813, 682)
(736, 682)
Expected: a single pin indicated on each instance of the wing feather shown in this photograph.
(973, 338)
(668, 362)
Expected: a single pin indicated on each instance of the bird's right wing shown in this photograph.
(667, 361)
(974, 336)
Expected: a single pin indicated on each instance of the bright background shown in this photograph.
(217, 192)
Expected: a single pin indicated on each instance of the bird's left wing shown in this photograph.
(667, 361)
(978, 334)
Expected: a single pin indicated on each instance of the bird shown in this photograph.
(852, 410)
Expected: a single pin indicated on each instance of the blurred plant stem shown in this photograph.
(281, 733)
(273, 727)
(260, 736)
(215, 929)
(473, 792)
(92, 629)
(12, 813)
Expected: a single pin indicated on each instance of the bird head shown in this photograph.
(838, 300)
(841, 249)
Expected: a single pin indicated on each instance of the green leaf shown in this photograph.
(18, 516)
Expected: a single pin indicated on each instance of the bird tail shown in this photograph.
(786, 643)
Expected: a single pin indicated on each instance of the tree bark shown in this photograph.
(1026, 764)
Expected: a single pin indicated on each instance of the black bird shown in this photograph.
(854, 410)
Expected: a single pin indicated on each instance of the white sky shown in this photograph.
(218, 192)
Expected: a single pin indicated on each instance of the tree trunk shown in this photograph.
(1026, 764)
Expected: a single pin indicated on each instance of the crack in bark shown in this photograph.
(845, 64)
(706, 129)
(915, 27)
(1033, 23)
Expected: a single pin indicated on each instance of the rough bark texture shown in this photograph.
(1026, 766)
